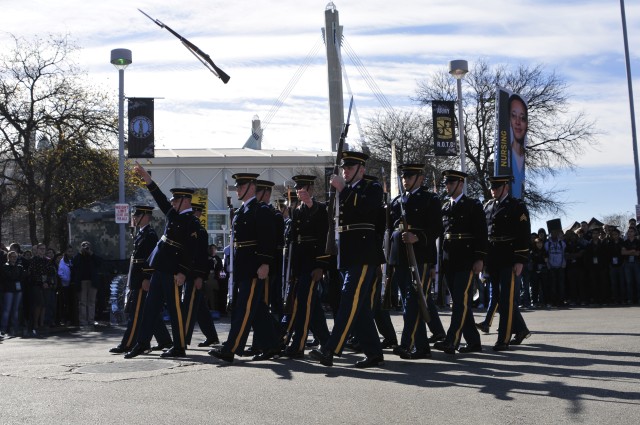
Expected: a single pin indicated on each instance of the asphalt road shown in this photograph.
(581, 365)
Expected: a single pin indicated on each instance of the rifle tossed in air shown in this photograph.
(199, 54)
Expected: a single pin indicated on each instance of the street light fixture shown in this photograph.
(458, 68)
(121, 58)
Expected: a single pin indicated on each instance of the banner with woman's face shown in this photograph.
(511, 138)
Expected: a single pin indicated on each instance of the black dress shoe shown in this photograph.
(444, 346)
(324, 358)
(367, 362)
(474, 348)
(389, 343)
(400, 351)
(174, 352)
(118, 349)
(266, 355)
(161, 347)
(222, 355)
(483, 327)
(519, 337)
(209, 342)
(501, 346)
(437, 338)
(416, 354)
(137, 350)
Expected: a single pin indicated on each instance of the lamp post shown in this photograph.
(458, 68)
(121, 58)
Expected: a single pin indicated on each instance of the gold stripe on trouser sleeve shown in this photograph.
(190, 311)
(179, 315)
(136, 314)
(305, 329)
(465, 303)
(373, 291)
(493, 313)
(354, 307)
(292, 318)
(418, 316)
(245, 319)
(507, 334)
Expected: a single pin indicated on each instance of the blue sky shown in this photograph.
(261, 44)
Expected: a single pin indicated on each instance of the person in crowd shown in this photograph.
(51, 293)
(13, 278)
(614, 246)
(41, 276)
(631, 253)
(574, 277)
(84, 277)
(556, 263)
(595, 264)
(68, 300)
(539, 272)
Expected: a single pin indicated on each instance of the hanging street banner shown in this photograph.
(141, 128)
(511, 138)
(444, 135)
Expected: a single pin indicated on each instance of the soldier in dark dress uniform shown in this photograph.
(172, 261)
(194, 306)
(464, 247)
(253, 244)
(508, 231)
(309, 261)
(424, 219)
(140, 273)
(358, 259)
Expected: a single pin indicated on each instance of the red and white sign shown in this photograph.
(122, 213)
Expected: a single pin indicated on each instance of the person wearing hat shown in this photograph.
(194, 306)
(172, 260)
(509, 231)
(422, 210)
(144, 242)
(253, 247)
(464, 247)
(308, 236)
(358, 256)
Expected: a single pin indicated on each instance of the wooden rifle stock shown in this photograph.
(416, 281)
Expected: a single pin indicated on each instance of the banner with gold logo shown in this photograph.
(141, 128)
(444, 135)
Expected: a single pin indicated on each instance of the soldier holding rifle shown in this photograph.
(308, 261)
(464, 248)
(423, 217)
(359, 203)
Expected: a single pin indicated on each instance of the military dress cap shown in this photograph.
(264, 185)
(181, 192)
(303, 180)
(411, 169)
(142, 209)
(500, 180)
(197, 206)
(454, 175)
(242, 178)
(353, 158)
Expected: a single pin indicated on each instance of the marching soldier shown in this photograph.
(359, 203)
(308, 236)
(144, 242)
(172, 261)
(424, 219)
(509, 229)
(253, 248)
(194, 305)
(464, 249)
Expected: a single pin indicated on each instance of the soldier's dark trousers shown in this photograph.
(194, 309)
(251, 312)
(354, 313)
(381, 317)
(163, 288)
(136, 302)
(494, 301)
(414, 331)
(511, 321)
(462, 324)
(308, 313)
